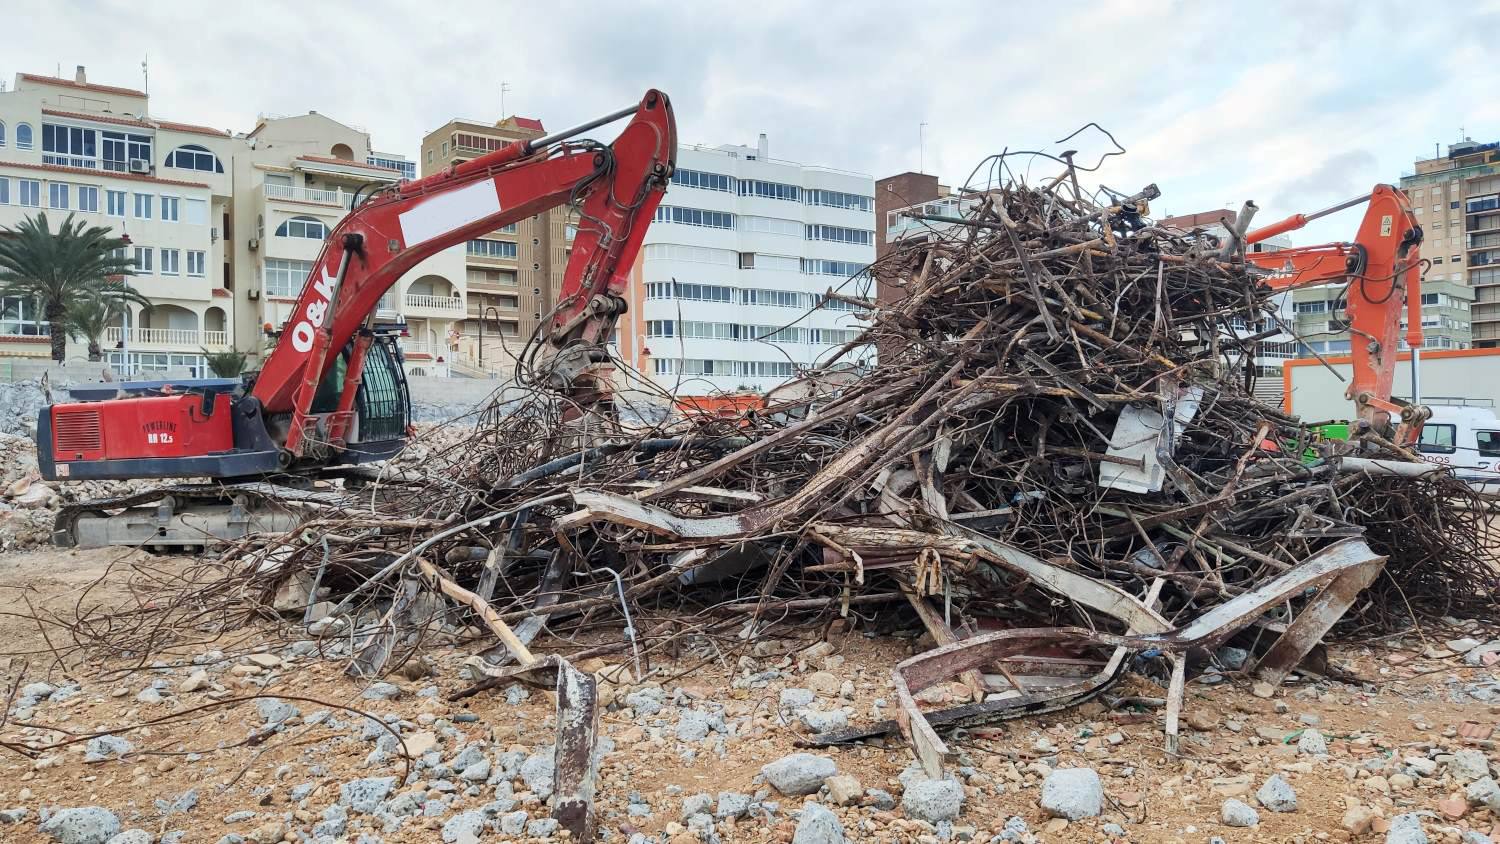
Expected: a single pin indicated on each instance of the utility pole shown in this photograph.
(922, 147)
(504, 89)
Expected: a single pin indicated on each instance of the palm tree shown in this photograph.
(90, 316)
(62, 269)
(228, 364)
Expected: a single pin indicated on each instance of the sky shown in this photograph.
(1296, 105)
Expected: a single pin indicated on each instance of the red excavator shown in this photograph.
(1382, 274)
(333, 393)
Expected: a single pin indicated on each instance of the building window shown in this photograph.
(195, 212)
(195, 262)
(770, 225)
(22, 318)
(31, 192)
(839, 234)
(492, 248)
(773, 298)
(2, 133)
(1456, 259)
(171, 262)
(194, 157)
(429, 156)
(4, 191)
(143, 206)
(120, 149)
(69, 146)
(88, 198)
(305, 227)
(23, 136)
(694, 217)
(170, 209)
(770, 190)
(838, 199)
(286, 278)
(114, 203)
(695, 254)
(143, 259)
(57, 196)
(845, 269)
(660, 328)
(703, 180)
(1436, 261)
(445, 149)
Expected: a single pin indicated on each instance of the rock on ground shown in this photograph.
(933, 801)
(132, 836)
(1239, 814)
(1469, 765)
(1277, 795)
(1072, 794)
(818, 826)
(102, 748)
(364, 795)
(1484, 792)
(86, 825)
(799, 773)
(461, 826)
(1406, 829)
(844, 790)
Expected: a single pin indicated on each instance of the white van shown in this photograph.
(1467, 439)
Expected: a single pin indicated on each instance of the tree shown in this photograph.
(89, 316)
(225, 364)
(63, 269)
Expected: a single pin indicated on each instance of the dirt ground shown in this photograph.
(1416, 700)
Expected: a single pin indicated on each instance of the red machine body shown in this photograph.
(616, 189)
(158, 426)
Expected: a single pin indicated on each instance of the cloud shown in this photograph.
(1284, 102)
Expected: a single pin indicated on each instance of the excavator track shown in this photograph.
(183, 517)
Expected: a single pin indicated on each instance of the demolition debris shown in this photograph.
(1057, 467)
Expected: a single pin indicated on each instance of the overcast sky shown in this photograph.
(1294, 104)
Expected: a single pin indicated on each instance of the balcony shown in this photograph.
(421, 304)
(167, 338)
(314, 196)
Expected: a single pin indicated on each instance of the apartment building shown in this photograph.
(1457, 198)
(296, 177)
(511, 275)
(728, 293)
(69, 146)
(223, 228)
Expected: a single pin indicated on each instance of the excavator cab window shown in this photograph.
(383, 402)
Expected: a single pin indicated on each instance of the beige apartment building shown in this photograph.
(1457, 198)
(511, 275)
(224, 227)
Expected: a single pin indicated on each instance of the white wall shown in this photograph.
(1318, 396)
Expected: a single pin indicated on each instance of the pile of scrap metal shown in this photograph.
(1057, 463)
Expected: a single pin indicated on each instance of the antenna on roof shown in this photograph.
(145, 72)
(504, 89)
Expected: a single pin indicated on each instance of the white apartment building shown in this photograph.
(728, 293)
(223, 228)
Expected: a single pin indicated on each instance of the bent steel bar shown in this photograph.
(1341, 570)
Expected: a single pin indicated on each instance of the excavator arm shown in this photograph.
(1383, 275)
(616, 187)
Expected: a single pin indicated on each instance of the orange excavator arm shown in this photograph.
(1382, 272)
